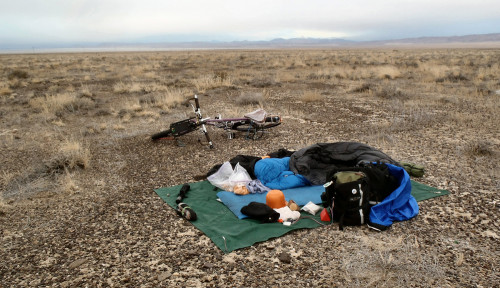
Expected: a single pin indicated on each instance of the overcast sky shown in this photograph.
(32, 22)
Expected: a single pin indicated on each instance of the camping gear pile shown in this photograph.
(222, 216)
(357, 185)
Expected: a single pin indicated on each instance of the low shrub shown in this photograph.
(363, 88)
(311, 96)
(249, 98)
(452, 77)
(479, 148)
(18, 74)
(391, 93)
(70, 155)
(59, 104)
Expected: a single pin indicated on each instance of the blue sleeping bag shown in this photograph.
(275, 173)
(400, 205)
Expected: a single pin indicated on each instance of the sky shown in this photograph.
(63, 22)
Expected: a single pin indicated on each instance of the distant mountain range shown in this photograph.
(488, 40)
(466, 41)
(476, 38)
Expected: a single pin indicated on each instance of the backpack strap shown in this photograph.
(377, 227)
(341, 221)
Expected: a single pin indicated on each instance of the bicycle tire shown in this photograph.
(163, 134)
(254, 132)
(246, 126)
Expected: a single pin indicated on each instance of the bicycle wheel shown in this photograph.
(244, 126)
(247, 126)
(253, 130)
(163, 134)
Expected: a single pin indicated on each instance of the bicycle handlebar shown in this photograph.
(197, 102)
(195, 98)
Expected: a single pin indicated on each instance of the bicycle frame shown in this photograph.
(199, 118)
(247, 123)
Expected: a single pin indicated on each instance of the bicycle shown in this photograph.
(254, 124)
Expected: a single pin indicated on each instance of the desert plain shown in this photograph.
(78, 168)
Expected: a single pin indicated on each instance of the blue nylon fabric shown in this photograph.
(275, 173)
(301, 196)
(400, 205)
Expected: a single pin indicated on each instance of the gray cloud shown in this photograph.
(33, 21)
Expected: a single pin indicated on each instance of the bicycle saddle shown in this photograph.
(258, 115)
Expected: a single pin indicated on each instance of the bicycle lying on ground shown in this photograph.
(254, 124)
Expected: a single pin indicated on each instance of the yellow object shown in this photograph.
(240, 190)
(293, 206)
(275, 199)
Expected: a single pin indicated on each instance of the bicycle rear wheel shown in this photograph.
(163, 134)
(246, 126)
(254, 131)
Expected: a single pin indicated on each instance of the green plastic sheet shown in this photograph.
(230, 233)
(423, 192)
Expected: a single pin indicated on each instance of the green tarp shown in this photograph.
(230, 233)
(423, 192)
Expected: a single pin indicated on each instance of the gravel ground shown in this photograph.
(111, 229)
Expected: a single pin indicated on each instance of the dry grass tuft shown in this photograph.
(311, 96)
(249, 98)
(211, 81)
(447, 100)
(397, 263)
(259, 82)
(5, 90)
(85, 91)
(452, 77)
(120, 88)
(16, 83)
(322, 74)
(3, 206)
(66, 184)
(366, 87)
(169, 99)
(18, 74)
(71, 155)
(123, 88)
(61, 103)
(118, 127)
(6, 178)
(392, 93)
(387, 72)
(479, 148)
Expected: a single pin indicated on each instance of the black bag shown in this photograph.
(261, 212)
(382, 182)
(352, 192)
(183, 127)
(347, 197)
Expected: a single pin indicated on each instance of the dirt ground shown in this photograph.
(78, 167)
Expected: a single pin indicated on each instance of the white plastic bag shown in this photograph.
(220, 178)
(226, 178)
(240, 176)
